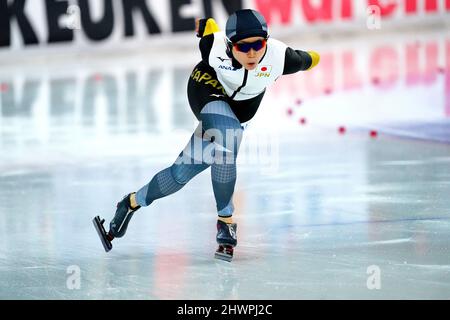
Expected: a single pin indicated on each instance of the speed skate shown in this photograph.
(227, 240)
(98, 224)
(224, 252)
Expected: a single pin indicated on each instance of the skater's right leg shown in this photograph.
(164, 183)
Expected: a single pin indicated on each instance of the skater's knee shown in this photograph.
(179, 174)
(227, 134)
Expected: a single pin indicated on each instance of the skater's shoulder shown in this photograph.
(276, 43)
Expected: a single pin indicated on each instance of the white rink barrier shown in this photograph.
(45, 26)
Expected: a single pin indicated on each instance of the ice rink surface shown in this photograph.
(357, 213)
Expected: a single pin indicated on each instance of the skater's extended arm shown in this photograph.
(298, 60)
(205, 29)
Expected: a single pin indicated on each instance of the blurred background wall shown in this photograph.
(73, 26)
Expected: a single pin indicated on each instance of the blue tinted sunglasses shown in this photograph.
(246, 47)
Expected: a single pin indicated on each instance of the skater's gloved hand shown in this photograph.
(315, 57)
(204, 27)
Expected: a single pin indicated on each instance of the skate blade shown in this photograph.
(107, 245)
(223, 256)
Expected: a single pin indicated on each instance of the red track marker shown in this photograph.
(4, 87)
